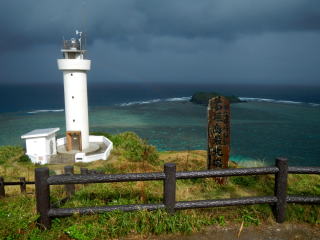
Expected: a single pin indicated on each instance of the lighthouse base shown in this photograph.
(93, 147)
(99, 149)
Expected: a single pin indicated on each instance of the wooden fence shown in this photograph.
(22, 182)
(169, 177)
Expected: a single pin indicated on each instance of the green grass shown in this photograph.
(132, 147)
(9, 154)
(18, 213)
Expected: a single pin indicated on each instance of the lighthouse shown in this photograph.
(77, 146)
(75, 66)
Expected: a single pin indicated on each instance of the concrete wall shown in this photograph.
(39, 148)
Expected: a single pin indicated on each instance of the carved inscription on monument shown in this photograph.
(218, 133)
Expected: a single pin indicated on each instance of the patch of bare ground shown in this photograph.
(285, 231)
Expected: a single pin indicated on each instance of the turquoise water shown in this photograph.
(259, 130)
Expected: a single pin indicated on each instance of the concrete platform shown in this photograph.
(93, 147)
(99, 149)
(67, 157)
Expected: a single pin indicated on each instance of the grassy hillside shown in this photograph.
(132, 154)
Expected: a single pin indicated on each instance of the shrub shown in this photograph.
(133, 147)
(24, 158)
(10, 153)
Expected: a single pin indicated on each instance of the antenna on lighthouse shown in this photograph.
(80, 38)
(78, 33)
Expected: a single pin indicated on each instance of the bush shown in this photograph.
(10, 153)
(133, 147)
(24, 158)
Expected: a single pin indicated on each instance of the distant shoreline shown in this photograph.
(203, 98)
(40, 96)
(60, 109)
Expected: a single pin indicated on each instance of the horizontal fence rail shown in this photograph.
(304, 170)
(225, 202)
(81, 179)
(64, 212)
(227, 172)
(23, 182)
(303, 199)
(17, 183)
(169, 178)
(23, 185)
(103, 178)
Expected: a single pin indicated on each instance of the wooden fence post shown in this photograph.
(2, 191)
(170, 187)
(84, 171)
(281, 182)
(43, 196)
(70, 188)
(23, 186)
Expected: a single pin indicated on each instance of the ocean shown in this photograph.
(274, 121)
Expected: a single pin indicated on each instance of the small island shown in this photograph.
(202, 98)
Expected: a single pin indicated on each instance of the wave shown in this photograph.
(46, 110)
(139, 102)
(249, 99)
(269, 100)
(315, 104)
(175, 99)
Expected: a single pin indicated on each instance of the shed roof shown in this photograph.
(40, 133)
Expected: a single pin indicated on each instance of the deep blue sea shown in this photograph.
(275, 120)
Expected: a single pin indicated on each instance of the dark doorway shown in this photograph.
(74, 141)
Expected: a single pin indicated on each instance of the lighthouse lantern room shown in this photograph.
(75, 68)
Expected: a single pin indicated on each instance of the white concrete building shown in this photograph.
(41, 144)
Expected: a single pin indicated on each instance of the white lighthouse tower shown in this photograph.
(78, 146)
(75, 67)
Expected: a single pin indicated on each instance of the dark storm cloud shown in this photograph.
(24, 23)
(260, 41)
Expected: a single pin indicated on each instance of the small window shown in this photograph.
(72, 97)
(71, 74)
(74, 120)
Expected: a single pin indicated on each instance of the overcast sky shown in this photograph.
(218, 41)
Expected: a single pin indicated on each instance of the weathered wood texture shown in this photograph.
(23, 185)
(169, 190)
(218, 134)
(280, 189)
(169, 177)
(43, 196)
(70, 188)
